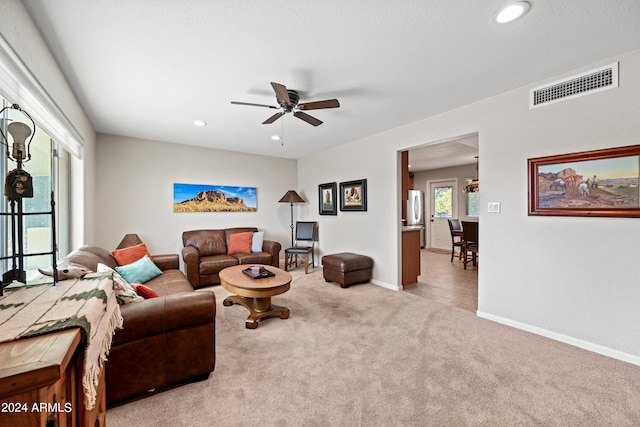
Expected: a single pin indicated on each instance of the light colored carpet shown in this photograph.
(368, 356)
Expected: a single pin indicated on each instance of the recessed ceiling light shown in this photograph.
(276, 137)
(199, 123)
(512, 12)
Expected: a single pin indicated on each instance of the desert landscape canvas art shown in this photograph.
(213, 198)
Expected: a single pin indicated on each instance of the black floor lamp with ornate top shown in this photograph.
(17, 187)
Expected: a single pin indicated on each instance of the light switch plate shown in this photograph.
(493, 207)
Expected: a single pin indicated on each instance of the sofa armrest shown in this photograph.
(183, 310)
(160, 315)
(273, 248)
(191, 258)
(167, 261)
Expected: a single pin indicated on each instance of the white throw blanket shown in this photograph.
(88, 303)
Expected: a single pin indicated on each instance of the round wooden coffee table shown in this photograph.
(255, 294)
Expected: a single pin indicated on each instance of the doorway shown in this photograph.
(441, 169)
(443, 206)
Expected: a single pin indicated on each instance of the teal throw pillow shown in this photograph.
(140, 271)
(257, 239)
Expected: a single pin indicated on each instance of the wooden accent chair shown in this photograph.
(470, 242)
(456, 237)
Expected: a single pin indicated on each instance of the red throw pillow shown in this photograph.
(144, 291)
(240, 243)
(131, 254)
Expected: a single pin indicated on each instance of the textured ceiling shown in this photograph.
(149, 68)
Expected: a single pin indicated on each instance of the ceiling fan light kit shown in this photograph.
(288, 101)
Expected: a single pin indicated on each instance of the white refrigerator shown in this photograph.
(415, 212)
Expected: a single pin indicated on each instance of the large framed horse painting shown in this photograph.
(589, 183)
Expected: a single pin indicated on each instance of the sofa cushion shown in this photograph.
(214, 263)
(257, 240)
(240, 243)
(130, 254)
(144, 291)
(208, 242)
(254, 258)
(169, 283)
(229, 231)
(140, 271)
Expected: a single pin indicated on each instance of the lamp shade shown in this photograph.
(129, 240)
(291, 197)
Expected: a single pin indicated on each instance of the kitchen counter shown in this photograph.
(412, 227)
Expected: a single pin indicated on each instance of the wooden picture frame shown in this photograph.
(599, 183)
(327, 199)
(353, 195)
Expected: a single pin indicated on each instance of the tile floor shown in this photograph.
(446, 282)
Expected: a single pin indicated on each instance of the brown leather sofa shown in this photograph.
(205, 254)
(164, 340)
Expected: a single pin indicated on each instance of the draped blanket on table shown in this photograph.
(88, 303)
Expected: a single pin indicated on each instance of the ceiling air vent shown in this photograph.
(572, 87)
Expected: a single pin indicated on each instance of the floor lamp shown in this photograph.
(291, 197)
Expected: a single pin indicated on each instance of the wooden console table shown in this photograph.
(53, 340)
(41, 383)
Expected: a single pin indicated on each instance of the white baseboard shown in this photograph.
(586, 345)
(385, 285)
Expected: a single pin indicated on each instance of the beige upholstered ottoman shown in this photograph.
(347, 268)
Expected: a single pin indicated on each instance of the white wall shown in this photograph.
(135, 186)
(17, 28)
(372, 232)
(575, 279)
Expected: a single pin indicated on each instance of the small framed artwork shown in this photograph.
(590, 183)
(327, 199)
(353, 195)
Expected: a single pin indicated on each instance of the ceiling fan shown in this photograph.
(288, 102)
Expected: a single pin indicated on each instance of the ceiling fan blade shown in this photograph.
(273, 118)
(317, 105)
(307, 118)
(281, 93)
(254, 105)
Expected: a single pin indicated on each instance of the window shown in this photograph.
(472, 201)
(49, 169)
(443, 198)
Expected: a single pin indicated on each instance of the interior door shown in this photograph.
(442, 207)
